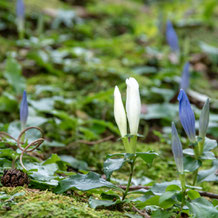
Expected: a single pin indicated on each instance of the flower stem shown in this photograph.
(201, 146)
(132, 163)
(133, 141)
(182, 180)
(198, 152)
(126, 144)
(195, 176)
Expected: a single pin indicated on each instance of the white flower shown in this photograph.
(119, 112)
(133, 105)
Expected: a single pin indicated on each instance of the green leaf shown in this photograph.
(192, 194)
(8, 153)
(209, 175)
(215, 202)
(84, 183)
(172, 188)
(13, 74)
(94, 203)
(73, 162)
(110, 165)
(53, 159)
(160, 111)
(162, 214)
(125, 155)
(147, 157)
(154, 200)
(44, 174)
(189, 151)
(208, 155)
(166, 196)
(209, 144)
(191, 164)
(7, 103)
(109, 195)
(200, 207)
(159, 188)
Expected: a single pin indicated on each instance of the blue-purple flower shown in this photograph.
(20, 9)
(185, 77)
(23, 110)
(171, 37)
(177, 149)
(186, 114)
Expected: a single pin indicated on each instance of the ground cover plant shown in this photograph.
(108, 108)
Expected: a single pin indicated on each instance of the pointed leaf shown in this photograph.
(147, 157)
(110, 165)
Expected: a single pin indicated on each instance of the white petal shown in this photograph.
(119, 112)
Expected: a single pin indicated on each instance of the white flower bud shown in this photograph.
(119, 112)
(133, 105)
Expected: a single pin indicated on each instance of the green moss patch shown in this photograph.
(22, 202)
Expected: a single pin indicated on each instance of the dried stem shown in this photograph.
(19, 142)
(202, 193)
(142, 213)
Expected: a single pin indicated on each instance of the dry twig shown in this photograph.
(142, 213)
(19, 142)
(202, 193)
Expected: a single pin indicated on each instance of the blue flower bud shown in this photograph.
(171, 37)
(177, 149)
(204, 119)
(186, 115)
(20, 9)
(23, 110)
(185, 77)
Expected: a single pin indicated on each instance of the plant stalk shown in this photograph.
(198, 152)
(182, 180)
(195, 177)
(201, 146)
(126, 144)
(133, 141)
(132, 163)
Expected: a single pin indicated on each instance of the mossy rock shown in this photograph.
(23, 202)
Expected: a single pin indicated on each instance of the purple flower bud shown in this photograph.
(20, 9)
(186, 115)
(23, 110)
(204, 119)
(185, 77)
(171, 37)
(177, 149)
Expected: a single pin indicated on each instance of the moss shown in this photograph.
(35, 203)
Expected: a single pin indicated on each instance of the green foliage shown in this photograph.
(13, 75)
(84, 183)
(201, 207)
(69, 62)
